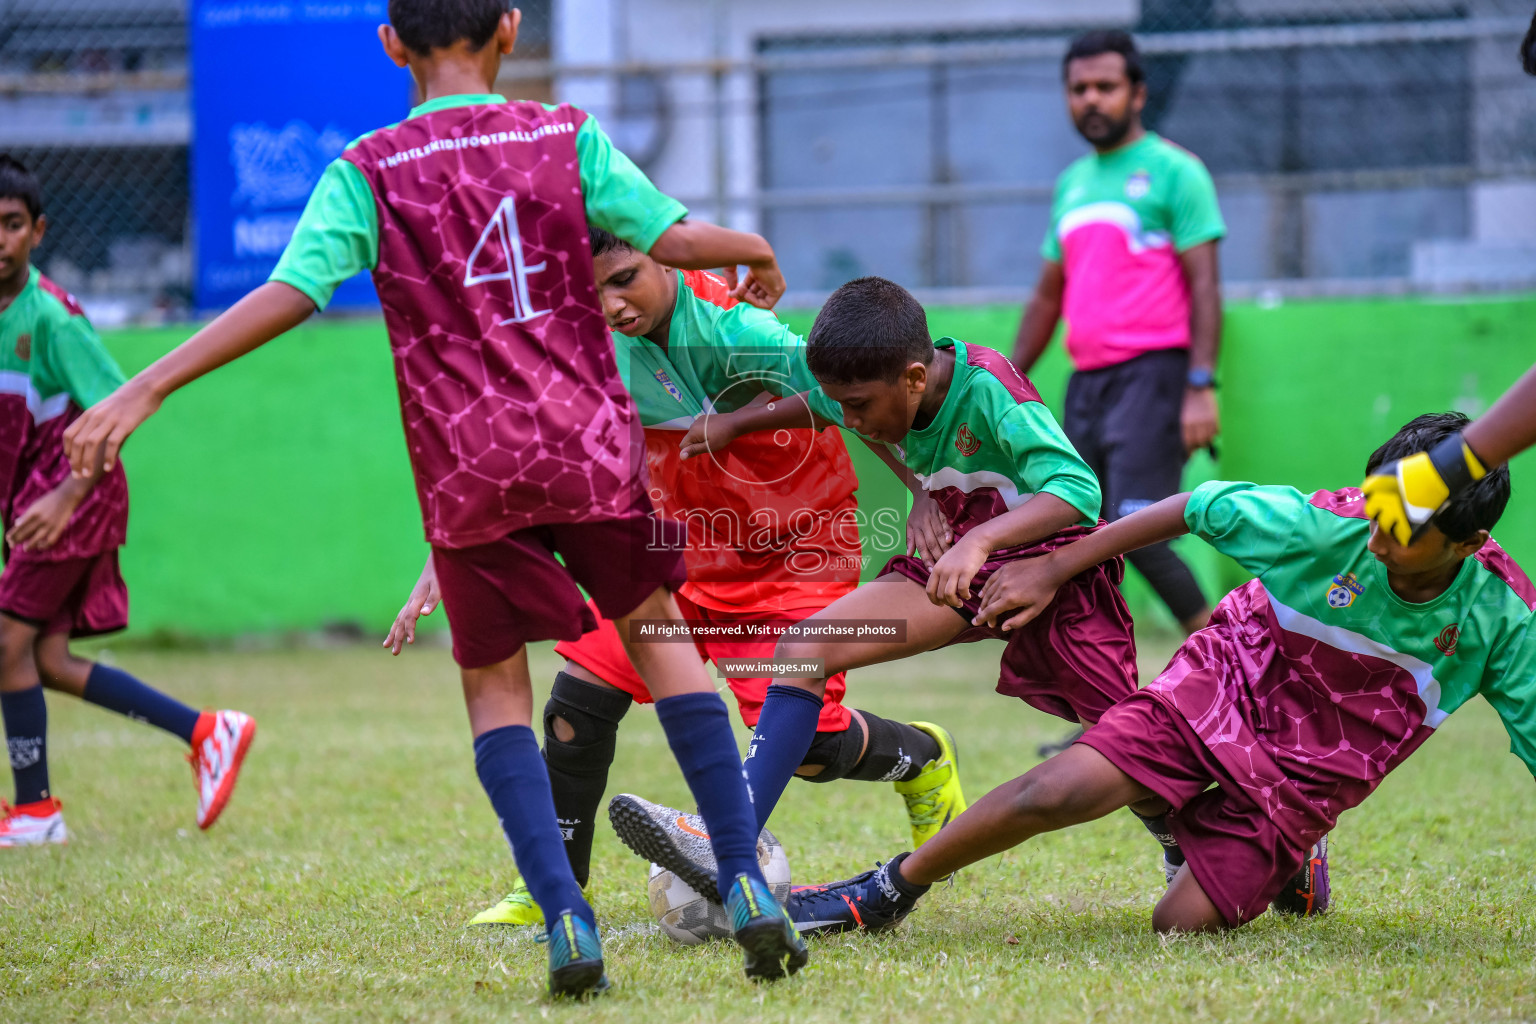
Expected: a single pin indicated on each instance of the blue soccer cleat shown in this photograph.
(575, 957)
(1307, 894)
(764, 931)
(868, 902)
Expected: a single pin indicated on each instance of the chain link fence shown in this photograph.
(1357, 145)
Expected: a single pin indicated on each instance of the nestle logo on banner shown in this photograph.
(276, 169)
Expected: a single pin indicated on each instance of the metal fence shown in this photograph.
(1358, 145)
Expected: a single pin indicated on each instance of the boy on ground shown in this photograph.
(1008, 486)
(61, 577)
(1311, 683)
(472, 214)
(773, 537)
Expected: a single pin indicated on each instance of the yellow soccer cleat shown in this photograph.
(933, 798)
(516, 908)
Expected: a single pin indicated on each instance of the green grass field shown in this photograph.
(337, 884)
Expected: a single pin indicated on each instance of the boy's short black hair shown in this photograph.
(606, 241)
(1107, 40)
(1476, 508)
(869, 329)
(427, 25)
(1528, 48)
(16, 182)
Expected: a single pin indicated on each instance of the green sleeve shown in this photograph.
(74, 361)
(1047, 463)
(336, 238)
(1195, 217)
(1251, 524)
(749, 343)
(619, 197)
(1509, 684)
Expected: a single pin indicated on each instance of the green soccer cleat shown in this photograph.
(773, 948)
(516, 908)
(575, 958)
(934, 798)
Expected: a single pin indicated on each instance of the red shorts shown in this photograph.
(1238, 856)
(78, 596)
(1078, 658)
(602, 652)
(510, 592)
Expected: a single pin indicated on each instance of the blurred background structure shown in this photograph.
(1359, 146)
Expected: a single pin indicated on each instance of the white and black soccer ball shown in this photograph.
(689, 918)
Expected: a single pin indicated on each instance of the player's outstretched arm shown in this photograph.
(695, 245)
(1508, 428)
(1027, 586)
(99, 433)
(714, 432)
(425, 596)
(1038, 518)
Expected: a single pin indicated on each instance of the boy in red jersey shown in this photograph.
(473, 215)
(61, 578)
(773, 537)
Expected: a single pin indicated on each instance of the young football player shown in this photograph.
(773, 537)
(472, 214)
(1312, 682)
(61, 577)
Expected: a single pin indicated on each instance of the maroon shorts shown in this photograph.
(1238, 856)
(1074, 661)
(78, 596)
(510, 592)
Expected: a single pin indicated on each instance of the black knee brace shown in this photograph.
(837, 753)
(593, 713)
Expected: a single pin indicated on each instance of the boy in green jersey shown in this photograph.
(1001, 482)
(1311, 683)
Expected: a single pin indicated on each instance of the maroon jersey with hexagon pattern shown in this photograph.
(515, 414)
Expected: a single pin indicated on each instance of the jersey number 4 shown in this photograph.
(498, 256)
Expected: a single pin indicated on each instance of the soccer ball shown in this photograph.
(689, 918)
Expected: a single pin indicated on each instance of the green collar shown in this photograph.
(463, 99)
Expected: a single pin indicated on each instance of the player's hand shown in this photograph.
(42, 524)
(762, 287)
(1025, 588)
(1404, 494)
(1199, 419)
(950, 581)
(928, 533)
(711, 432)
(424, 598)
(98, 435)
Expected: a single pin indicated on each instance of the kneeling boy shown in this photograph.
(1310, 684)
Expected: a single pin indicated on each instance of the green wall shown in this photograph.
(276, 494)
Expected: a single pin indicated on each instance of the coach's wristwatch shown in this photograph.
(1201, 378)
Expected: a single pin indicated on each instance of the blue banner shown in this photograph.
(278, 90)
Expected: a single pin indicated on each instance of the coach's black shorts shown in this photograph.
(1124, 421)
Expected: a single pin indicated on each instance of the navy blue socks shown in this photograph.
(26, 732)
(784, 734)
(118, 691)
(698, 728)
(511, 769)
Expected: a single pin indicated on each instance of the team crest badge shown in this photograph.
(666, 382)
(1138, 185)
(1446, 641)
(966, 442)
(24, 346)
(1344, 590)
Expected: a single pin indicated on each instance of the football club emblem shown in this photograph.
(966, 442)
(1446, 641)
(24, 346)
(666, 382)
(1138, 185)
(1344, 590)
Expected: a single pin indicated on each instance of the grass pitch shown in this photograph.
(337, 884)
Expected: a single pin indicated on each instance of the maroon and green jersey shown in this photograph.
(1314, 680)
(472, 214)
(52, 366)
